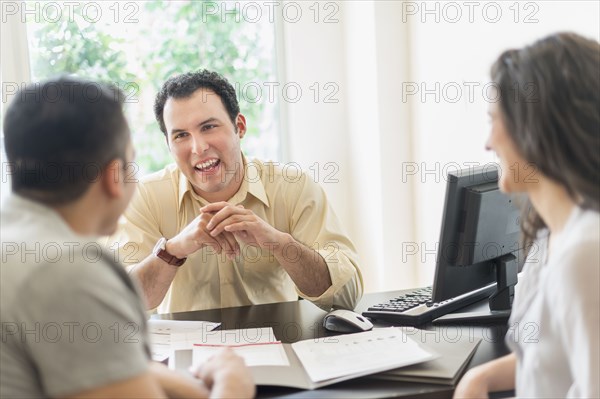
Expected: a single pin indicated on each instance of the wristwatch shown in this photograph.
(160, 251)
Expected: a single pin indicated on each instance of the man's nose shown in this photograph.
(199, 144)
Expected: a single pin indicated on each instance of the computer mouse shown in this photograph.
(346, 321)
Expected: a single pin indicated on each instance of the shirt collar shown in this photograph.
(251, 184)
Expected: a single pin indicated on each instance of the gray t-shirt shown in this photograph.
(71, 319)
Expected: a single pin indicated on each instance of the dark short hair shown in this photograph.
(549, 102)
(184, 85)
(59, 136)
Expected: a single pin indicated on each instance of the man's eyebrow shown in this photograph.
(209, 120)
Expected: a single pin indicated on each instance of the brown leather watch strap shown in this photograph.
(170, 259)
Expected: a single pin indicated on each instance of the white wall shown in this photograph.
(394, 148)
(364, 158)
(314, 54)
(363, 134)
(448, 133)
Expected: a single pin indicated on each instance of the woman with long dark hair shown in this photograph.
(546, 133)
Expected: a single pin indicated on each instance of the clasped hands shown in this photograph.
(223, 226)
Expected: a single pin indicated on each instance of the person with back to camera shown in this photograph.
(546, 133)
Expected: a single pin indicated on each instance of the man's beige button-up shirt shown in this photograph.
(288, 200)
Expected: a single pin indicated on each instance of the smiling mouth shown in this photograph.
(207, 166)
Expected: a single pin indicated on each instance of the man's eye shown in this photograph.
(208, 127)
(180, 135)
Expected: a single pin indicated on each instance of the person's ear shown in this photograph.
(240, 124)
(112, 178)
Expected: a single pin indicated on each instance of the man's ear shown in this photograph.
(240, 124)
(112, 178)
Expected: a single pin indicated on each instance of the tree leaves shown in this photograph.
(170, 38)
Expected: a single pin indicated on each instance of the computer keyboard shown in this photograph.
(415, 307)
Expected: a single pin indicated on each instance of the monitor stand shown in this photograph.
(480, 314)
(497, 308)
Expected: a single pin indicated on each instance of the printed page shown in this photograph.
(344, 355)
(257, 346)
(168, 335)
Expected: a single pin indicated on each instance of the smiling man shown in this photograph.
(216, 230)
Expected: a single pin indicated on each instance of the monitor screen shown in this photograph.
(480, 225)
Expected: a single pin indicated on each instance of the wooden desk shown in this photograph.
(299, 320)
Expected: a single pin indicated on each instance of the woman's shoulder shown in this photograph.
(580, 235)
(574, 267)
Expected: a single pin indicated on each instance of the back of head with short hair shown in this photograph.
(60, 134)
(185, 85)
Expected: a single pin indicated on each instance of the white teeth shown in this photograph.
(207, 164)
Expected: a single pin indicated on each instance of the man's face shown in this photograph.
(205, 143)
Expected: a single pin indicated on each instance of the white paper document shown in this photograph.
(257, 346)
(168, 335)
(313, 363)
(372, 351)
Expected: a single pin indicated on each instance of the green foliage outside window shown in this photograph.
(157, 41)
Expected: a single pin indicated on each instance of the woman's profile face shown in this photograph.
(517, 175)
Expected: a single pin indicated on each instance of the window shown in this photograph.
(138, 45)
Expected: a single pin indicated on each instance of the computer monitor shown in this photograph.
(479, 248)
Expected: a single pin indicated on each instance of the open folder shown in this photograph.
(319, 362)
(455, 352)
